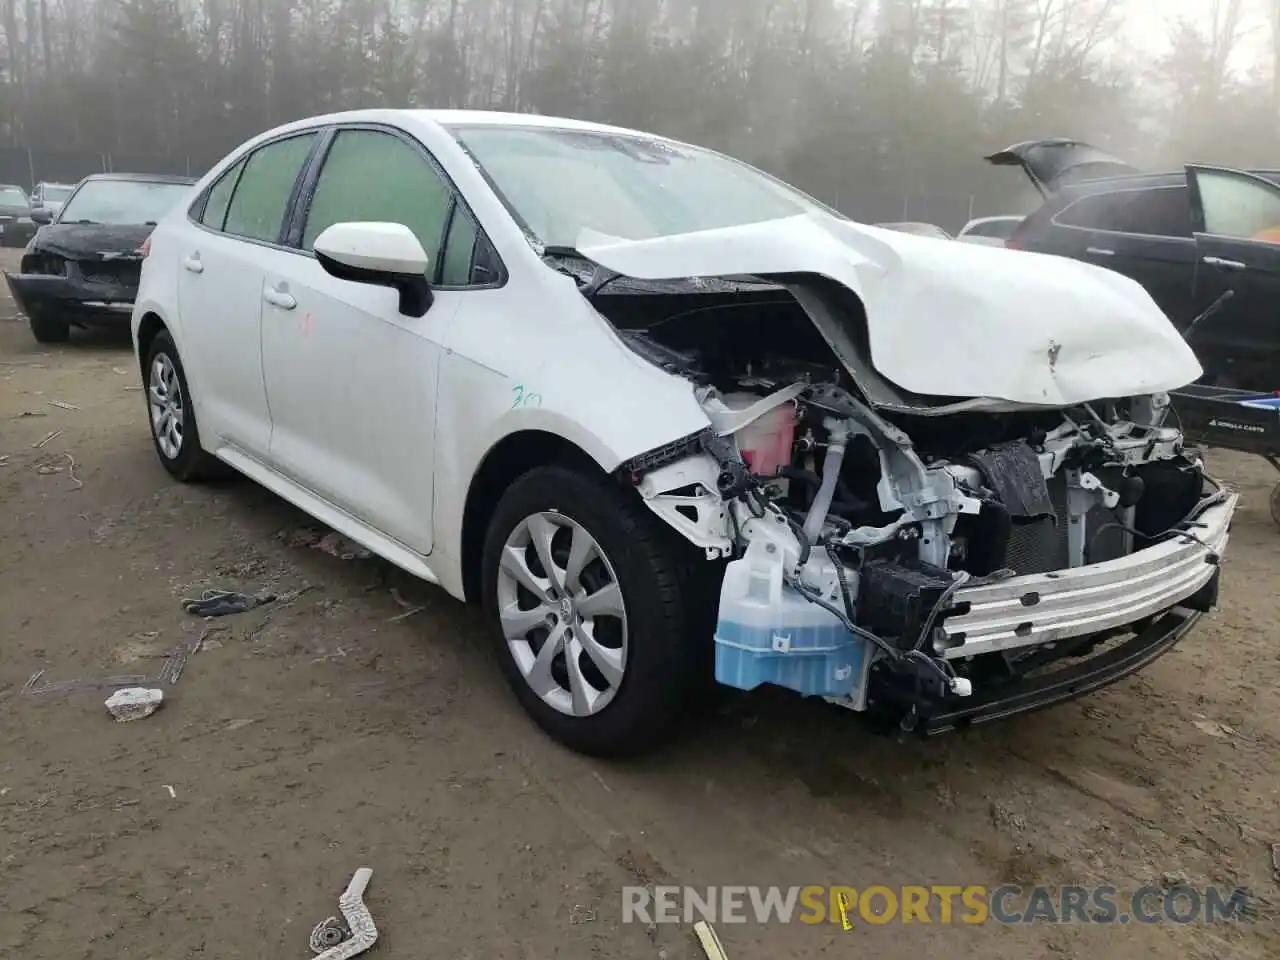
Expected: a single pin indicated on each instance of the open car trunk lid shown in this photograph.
(1050, 163)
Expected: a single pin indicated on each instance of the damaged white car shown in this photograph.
(668, 418)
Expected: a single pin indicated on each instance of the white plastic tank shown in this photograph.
(767, 442)
(769, 633)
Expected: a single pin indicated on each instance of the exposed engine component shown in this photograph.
(852, 522)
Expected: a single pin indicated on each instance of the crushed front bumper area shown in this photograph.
(1042, 608)
(1000, 701)
(1054, 637)
(72, 296)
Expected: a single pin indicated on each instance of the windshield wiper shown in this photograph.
(95, 222)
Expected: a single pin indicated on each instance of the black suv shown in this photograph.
(1200, 238)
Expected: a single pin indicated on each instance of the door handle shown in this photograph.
(278, 298)
(193, 263)
(1100, 251)
(1223, 264)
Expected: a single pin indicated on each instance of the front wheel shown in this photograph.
(596, 614)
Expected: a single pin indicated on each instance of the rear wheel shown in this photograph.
(47, 329)
(172, 416)
(596, 613)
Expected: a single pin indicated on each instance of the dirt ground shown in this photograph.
(320, 735)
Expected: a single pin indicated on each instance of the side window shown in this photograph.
(1157, 212)
(373, 176)
(1092, 212)
(1236, 205)
(459, 251)
(258, 204)
(215, 207)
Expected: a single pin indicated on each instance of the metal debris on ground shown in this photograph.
(134, 703)
(1275, 859)
(63, 405)
(48, 464)
(4, 459)
(410, 609)
(51, 435)
(1213, 728)
(328, 933)
(66, 686)
(221, 603)
(170, 670)
(206, 641)
(710, 941)
(335, 939)
(336, 545)
(174, 664)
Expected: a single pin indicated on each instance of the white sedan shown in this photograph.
(667, 418)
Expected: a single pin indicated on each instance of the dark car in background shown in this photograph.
(1204, 238)
(82, 267)
(50, 196)
(16, 226)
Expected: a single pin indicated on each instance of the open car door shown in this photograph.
(1056, 161)
(1236, 221)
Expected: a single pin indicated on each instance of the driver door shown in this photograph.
(351, 381)
(1237, 231)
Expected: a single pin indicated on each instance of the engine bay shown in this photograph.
(851, 525)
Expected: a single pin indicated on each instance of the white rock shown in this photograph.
(134, 703)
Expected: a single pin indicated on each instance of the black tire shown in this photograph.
(670, 620)
(191, 463)
(47, 329)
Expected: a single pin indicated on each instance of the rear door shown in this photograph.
(240, 218)
(1236, 216)
(1145, 233)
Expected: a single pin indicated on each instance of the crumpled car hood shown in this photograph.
(88, 241)
(948, 319)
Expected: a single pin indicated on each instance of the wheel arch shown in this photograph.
(511, 457)
(148, 328)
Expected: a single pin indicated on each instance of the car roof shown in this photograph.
(497, 118)
(9, 186)
(141, 178)
(458, 118)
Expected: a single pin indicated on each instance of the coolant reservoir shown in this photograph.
(765, 443)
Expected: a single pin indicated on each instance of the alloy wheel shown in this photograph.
(167, 412)
(563, 614)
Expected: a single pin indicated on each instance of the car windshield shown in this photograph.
(12, 197)
(56, 193)
(122, 201)
(558, 182)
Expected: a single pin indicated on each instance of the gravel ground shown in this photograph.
(326, 733)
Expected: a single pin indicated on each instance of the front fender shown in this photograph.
(613, 407)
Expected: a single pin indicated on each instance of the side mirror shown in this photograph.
(382, 254)
(41, 215)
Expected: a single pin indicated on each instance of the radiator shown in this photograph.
(1042, 546)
